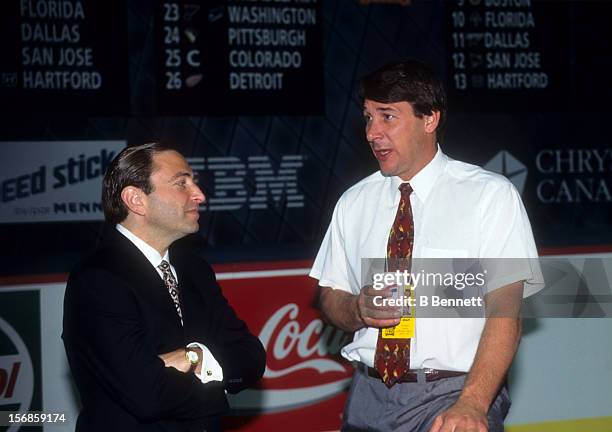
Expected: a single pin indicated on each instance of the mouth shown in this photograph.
(382, 154)
(194, 212)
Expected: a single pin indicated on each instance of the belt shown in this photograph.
(412, 375)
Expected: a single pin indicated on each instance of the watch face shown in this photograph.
(193, 357)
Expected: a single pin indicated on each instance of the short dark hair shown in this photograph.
(133, 166)
(407, 81)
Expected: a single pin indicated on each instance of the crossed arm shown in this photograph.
(178, 360)
(107, 343)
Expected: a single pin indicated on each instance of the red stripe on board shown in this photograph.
(575, 250)
(282, 265)
(260, 266)
(34, 279)
(218, 268)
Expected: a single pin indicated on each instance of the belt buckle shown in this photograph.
(430, 374)
(420, 375)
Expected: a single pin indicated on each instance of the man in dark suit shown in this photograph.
(152, 343)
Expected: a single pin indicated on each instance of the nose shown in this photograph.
(198, 195)
(373, 130)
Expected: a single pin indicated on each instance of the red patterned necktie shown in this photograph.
(392, 357)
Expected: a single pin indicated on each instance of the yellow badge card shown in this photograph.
(404, 330)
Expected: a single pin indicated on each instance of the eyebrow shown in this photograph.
(179, 175)
(383, 109)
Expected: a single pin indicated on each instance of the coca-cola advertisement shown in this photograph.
(304, 386)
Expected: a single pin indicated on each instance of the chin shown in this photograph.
(388, 168)
(387, 172)
(190, 228)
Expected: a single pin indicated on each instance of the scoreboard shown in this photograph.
(64, 56)
(239, 57)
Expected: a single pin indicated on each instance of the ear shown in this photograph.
(432, 121)
(134, 199)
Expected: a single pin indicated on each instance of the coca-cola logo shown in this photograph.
(16, 375)
(300, 368)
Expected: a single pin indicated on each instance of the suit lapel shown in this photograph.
(140, 274)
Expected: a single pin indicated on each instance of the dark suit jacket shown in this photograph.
(118, 316)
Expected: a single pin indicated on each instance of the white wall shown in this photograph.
(563, 370)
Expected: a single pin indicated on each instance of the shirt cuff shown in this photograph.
(211, 369)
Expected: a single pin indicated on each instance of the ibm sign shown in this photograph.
(232, 183)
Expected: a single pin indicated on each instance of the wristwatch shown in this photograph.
(192, 357)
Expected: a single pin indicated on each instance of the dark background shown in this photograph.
(574, 39)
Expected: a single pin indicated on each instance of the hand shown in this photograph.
(373, 315)
(177, 360)
(463, 416)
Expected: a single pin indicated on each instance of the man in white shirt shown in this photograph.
(457, 366)
(151, 341)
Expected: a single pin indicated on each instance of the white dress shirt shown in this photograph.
(211, 369)
(460, 211)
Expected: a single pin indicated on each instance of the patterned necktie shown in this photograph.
(172, 286)
(392, 357)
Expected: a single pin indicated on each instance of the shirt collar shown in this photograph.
(147, 250)
(423, 181)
